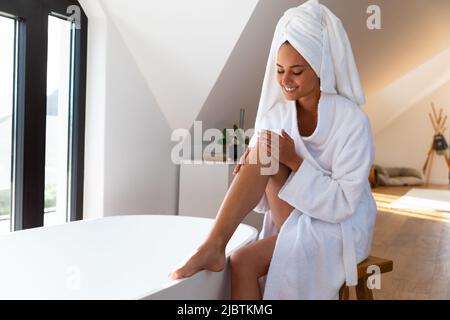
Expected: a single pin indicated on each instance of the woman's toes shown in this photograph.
(183, 272)
(200, 260)
(175, 275)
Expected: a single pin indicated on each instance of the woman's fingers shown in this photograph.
(238, 165)
(271, 147)
(246, 152)
(286, 135)
(267, 149)
(271, 142)
(236, 169)
(241, 161)
(270, 136)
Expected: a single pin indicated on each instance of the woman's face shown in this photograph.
(294, 74)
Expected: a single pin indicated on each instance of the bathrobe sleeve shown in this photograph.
(334, 197)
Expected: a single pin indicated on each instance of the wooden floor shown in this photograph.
(419, 245)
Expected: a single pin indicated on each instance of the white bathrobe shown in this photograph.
(330, 229)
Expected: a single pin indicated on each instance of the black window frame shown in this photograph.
(31, 110)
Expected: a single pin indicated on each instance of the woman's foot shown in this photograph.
(207, 257)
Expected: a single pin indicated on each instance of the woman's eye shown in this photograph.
(294, 73)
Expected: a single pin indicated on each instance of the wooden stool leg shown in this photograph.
(362, 291)
(344, 293)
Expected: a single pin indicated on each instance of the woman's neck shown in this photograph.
(309, 103)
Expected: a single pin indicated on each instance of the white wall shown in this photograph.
(94, 197)
(140, 178)
(127, 165)
(406, 141)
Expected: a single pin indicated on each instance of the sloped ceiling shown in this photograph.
(180, 47)
(413, 31)
(390, 102)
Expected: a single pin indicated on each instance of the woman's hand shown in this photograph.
(282, 148)
(241, 161)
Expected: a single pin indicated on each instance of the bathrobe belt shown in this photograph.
(349, 255)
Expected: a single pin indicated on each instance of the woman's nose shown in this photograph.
(286, 79)
(286, 82)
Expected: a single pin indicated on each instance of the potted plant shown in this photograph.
(233, 140)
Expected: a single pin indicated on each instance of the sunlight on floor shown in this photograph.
(419, 210)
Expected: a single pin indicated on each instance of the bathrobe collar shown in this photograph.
(325, 115)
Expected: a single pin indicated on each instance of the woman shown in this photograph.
(319, 211)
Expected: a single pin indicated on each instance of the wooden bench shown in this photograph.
(362, 291)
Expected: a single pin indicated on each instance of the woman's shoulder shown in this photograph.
(350, 112)
(277, 112)
(280, 107)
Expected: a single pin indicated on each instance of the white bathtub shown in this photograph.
(123, 257)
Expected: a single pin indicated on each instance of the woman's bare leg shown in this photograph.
(250, 263)
(243, 195)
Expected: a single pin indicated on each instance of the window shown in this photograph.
(59, 102)
(42, 106)
(7, 102)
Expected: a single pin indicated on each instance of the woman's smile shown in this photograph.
(289, 89)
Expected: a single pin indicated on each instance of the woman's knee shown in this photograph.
(253, 259)
(240, 260)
